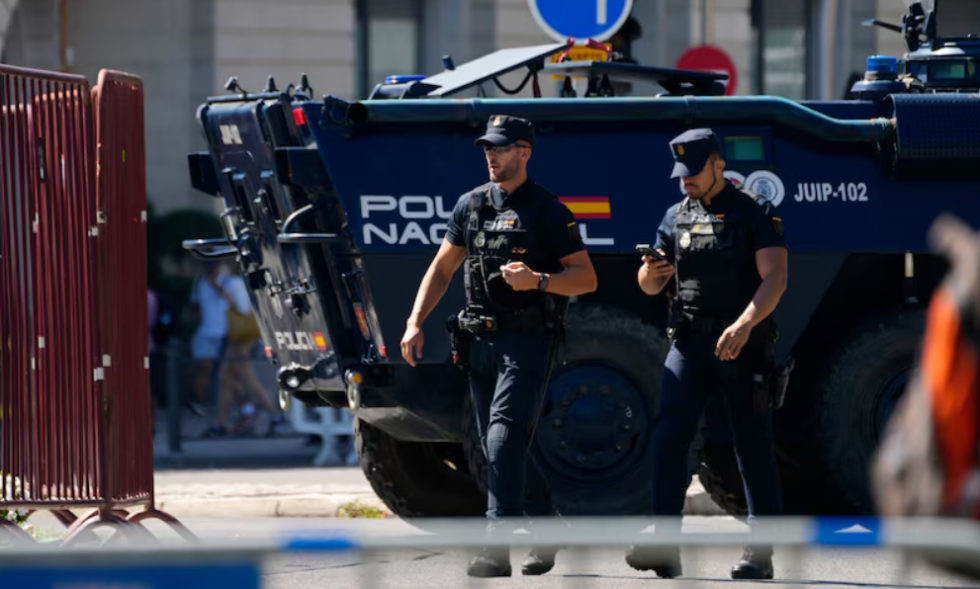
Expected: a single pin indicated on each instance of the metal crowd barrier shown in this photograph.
(952, 544)
(75, 413)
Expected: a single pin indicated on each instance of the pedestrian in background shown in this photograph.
(208, 342)
(237, 370)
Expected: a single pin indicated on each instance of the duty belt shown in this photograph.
(683, 324)
(707, 325)
(716, 326)
(475, 320)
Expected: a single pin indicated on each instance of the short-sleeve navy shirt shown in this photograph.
(762, 220)
(554, 223)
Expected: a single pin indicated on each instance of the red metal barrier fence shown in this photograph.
(121, 201)
(75, 407)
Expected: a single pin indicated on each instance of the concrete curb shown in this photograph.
(697, 503)
(294, 506)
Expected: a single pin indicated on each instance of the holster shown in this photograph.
(475, 319)
(546, 318)
(460, 341)
(779, 382)
(769, 388)
(555, 311)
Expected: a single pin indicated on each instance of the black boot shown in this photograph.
(491, 562)
(539, 561)
(665, 561)
(756, 563)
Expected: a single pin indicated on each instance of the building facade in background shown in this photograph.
(186, 50)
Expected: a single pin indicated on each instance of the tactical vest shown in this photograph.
(495, 238)
(715, 262)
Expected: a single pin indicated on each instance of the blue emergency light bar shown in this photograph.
(883, 64)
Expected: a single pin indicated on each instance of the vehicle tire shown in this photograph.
(593, 438)
(418, 479)
(867, 376)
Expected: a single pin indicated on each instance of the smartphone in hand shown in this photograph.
(646, 250)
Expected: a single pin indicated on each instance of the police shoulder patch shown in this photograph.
(777, 225)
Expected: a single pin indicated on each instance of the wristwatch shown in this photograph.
(542, 282)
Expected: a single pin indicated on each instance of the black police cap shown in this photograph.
(691, 150)
(505, 130)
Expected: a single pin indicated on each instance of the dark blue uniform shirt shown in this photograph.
(766, 227)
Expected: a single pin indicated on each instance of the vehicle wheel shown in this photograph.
(594, 436)
(868, 375)
(593, 439)
(417, 479)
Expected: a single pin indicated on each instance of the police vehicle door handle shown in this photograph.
(287, 237)
(210, 249)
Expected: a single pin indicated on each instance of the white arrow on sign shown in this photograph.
(601, 9)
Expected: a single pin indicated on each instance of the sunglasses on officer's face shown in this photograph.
(502, 148)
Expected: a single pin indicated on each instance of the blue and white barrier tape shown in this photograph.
(204, 565)
(568, 532)
(854, 532)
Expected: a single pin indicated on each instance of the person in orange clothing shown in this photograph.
(928, 464)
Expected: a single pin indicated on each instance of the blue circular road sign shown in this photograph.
(580, 19)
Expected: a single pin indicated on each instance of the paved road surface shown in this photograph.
(347, 478)
(423, 568)
(297, 492)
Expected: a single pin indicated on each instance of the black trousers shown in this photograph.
(507, 384)
(692, 374)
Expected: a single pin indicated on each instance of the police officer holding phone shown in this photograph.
(727, 252)
(524, 257)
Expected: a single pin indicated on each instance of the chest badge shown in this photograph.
(703, 229)
(480, 239)
(685, 240)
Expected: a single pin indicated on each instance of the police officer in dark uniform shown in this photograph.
(524, 257)
(727, 250)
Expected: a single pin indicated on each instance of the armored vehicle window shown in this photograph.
(745, 148)
(953, 70)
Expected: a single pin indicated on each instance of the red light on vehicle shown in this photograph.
(299, 116)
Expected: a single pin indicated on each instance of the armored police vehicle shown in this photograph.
(334, 209)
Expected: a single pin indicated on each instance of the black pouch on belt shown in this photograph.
(779, 381)
(760, 393)
(459, 342)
